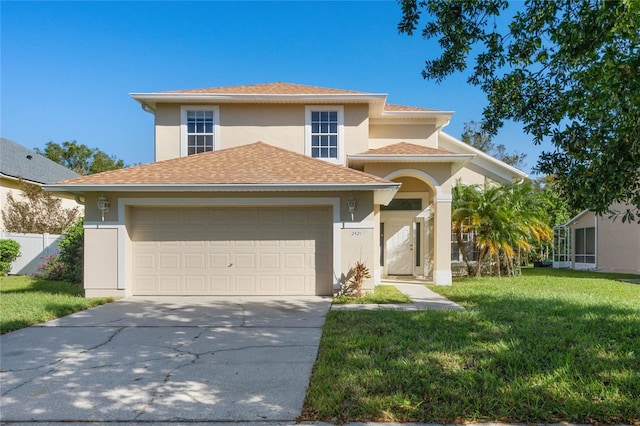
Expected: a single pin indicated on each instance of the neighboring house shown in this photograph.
(598, 243)
(277, 189)
(20, 163)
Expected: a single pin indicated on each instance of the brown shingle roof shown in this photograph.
(278, 88)
(405, 148)
(403, 108)
(257, 163)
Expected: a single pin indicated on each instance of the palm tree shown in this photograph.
(505, 220)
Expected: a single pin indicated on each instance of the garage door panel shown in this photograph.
(224, 251)
(220, 260)
(269, 284)
(146, 284)
(245, 261)
(195, 261)
(170, 261)
(245, 284)
(219, 284)
(195, 284)
(295, 284)
(269, 261)
(144, 260)
(169, 284)
(294, 261)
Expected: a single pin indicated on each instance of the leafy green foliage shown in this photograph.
(477, 138)
(9, 252)
(80, 158)
(72, 251)
(550, 346)
(27, 301)
(505, 220)
(569, 71)
(40, 212)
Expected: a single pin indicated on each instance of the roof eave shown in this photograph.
(403, 158)
(286, 187)
(441, 118)
(376, 100)
(486, 161)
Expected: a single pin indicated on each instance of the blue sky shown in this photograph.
(67, 68)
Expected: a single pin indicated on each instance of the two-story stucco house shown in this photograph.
(277, 189)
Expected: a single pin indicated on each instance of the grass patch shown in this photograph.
(383, 294)
(550, 346)
(26, 301)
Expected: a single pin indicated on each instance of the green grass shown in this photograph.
(26, 301)
(383, 294)
(550, 346)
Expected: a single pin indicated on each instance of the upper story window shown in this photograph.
(324, 129)
(199, 129)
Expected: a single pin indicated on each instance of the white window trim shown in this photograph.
(183, 125)
(307, 131)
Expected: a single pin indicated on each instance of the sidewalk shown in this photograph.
(422, 299)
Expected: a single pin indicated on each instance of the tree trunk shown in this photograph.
(463, 250)
(481, 255)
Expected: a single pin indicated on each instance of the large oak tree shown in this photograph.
(80, 158)
(568, 70)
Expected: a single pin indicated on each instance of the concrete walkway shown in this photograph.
(422, 299)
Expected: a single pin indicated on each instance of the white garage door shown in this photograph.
(232, 251)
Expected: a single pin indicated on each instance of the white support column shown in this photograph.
(442, 229)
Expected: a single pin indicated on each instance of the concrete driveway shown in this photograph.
(165, 359)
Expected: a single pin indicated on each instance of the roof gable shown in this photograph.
(253, 164)
(19, 162)
(405, 148)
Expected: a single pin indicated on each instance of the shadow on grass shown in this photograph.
(509, 359)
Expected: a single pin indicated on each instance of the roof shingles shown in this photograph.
(257, 163)
(405, 148)
(278, 88)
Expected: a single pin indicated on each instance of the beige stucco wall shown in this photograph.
(618, 244)
(10, 186)
(167, 143)
(387, 134)
(278, 125)
(102, 238)
(468, 176)
(101, 262)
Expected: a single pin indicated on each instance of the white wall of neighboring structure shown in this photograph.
(34, 249)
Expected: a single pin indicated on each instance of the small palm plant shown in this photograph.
(360, 273)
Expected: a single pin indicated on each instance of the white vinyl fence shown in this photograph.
(33, 249)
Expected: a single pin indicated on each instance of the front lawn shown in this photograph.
(382, 294)
(26, 301)
(550, 346)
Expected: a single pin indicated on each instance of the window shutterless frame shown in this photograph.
(324, 132)
(199, 129)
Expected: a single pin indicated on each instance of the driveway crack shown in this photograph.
(54, 365)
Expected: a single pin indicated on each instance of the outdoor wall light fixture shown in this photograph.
(351, 202)
(103, 205)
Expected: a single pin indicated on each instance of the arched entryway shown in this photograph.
(406, 229)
